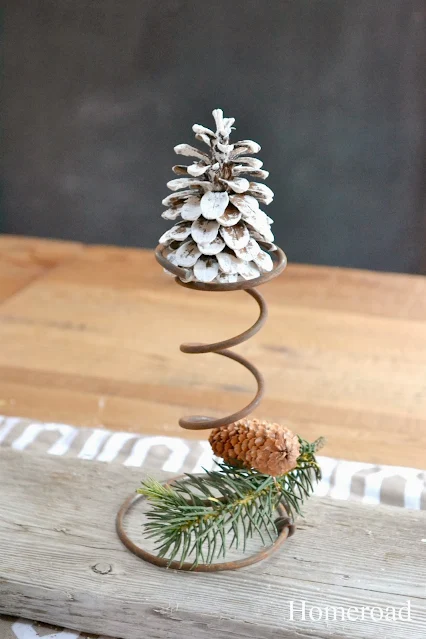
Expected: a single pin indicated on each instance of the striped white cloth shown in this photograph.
(368, 483)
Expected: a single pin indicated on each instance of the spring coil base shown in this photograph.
(201, 422)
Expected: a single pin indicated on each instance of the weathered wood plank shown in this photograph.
(57, 523)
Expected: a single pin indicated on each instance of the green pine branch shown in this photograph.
(196, 514)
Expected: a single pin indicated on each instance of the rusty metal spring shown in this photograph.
(200, 422)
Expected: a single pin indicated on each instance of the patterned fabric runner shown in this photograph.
(368, 483)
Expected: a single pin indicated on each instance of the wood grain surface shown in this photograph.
(62, 563)
(90, 336)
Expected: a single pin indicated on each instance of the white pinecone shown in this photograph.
(222, 231)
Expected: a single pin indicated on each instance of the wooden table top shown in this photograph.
(90, 336)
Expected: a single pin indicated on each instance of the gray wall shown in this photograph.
(97, 93)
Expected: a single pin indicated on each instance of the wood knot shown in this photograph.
(102, 568)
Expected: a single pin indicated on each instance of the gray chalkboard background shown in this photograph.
(97, 93)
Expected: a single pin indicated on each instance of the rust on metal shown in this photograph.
(285, 527)
(284, 530)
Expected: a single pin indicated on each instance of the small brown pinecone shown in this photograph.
(270, 448)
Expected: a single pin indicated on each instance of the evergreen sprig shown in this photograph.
(195, 514)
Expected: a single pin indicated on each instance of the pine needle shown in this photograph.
(193, 516)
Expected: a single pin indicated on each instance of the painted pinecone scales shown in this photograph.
(222, 234)
(270, 448)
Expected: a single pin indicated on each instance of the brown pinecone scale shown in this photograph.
(267, 447)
